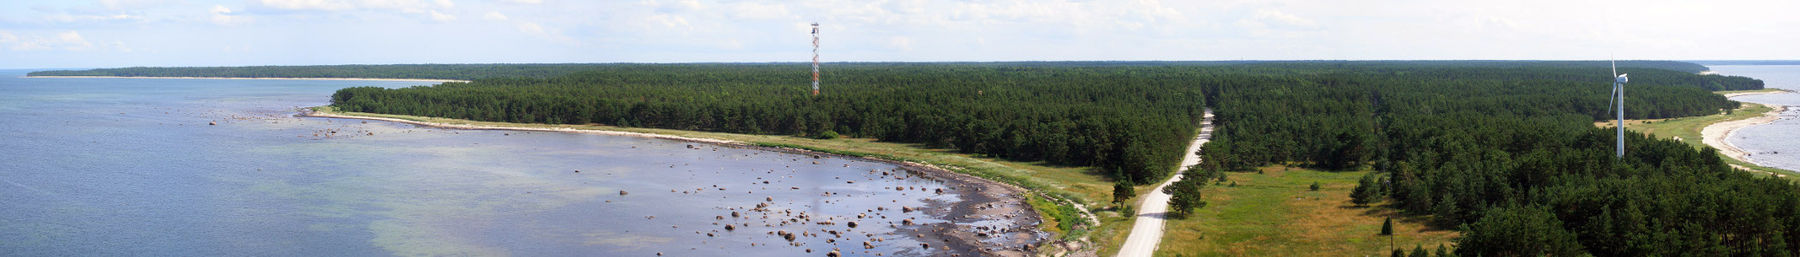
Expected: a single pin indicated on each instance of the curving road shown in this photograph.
(1148, 230)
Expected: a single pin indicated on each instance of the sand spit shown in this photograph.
(983, 201)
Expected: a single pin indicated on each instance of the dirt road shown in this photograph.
(1148, 230)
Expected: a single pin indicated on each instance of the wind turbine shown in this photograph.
(1619, 80)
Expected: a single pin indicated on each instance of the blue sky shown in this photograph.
(118, 33)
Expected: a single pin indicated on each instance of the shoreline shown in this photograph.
(246, 78)
(1716, 134)
(981, 198)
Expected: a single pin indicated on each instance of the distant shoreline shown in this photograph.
(250, 78)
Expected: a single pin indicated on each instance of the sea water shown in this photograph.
(195, 167)
(1775, 144)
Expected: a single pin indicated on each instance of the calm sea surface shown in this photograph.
(130, 167)
(1776, 144)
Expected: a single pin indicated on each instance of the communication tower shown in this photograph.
(815, 35)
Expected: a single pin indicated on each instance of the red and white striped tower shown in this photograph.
(815, 34)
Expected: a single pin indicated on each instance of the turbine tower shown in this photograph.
(815, 35)
(1619, 80)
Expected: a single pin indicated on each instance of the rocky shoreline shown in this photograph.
(992, 219)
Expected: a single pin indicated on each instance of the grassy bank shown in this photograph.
(1076, 184)
(1274, 213)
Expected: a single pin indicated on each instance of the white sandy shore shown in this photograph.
(1715, 135)
(269, 78)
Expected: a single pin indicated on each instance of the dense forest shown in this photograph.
(1506, 151)
(1130, 123)
(1511, 156)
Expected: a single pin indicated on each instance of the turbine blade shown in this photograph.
(1615, 66)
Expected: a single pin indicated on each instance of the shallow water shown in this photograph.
(107, 167)
(1775, 144)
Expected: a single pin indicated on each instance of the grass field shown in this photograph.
(1074, 183)
(1275, 214)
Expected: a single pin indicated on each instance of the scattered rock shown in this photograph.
(211, 123)
(852, 224)
(621, 192)
(729, 227)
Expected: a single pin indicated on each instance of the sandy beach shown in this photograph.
(1715, 135)
(271, 78)
(982, 199)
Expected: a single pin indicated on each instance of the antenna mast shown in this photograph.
(815, 35)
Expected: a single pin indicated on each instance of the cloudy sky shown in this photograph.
(116, 33)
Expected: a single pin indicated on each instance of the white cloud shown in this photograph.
(673, 6)
(494, 16)
(901, 43)
(760, 11)
(130, 4)
(340, 5)
(72, 40)
(95, 18)
(552, 34)
(225, 17)
(314, 5)
(531, 27)
(120, 45)
(68, 40)
(670, 21)
(441, 17)
(1282, 19)
(524, 1)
